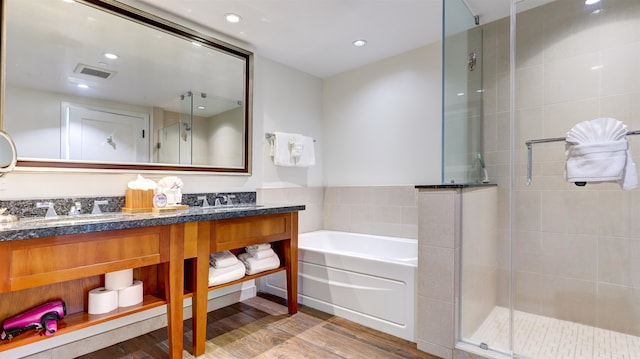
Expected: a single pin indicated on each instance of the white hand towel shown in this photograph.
(296, 147)
(307, 156)
(598, 151)
(280, 149)
(254, 265)
(222, 259)
(219, 276)
(262, 254)
(292, 150)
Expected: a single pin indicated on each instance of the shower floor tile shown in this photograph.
(541, 337)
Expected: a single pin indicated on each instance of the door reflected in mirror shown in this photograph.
(89, 88)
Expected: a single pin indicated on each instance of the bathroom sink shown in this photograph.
(80, 219)
(236, 208)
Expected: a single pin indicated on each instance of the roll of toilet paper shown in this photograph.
(102, 300)
(130, 295)
(119, 279)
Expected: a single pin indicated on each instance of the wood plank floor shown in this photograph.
(261, 328)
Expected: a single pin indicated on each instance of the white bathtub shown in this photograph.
(364, 278)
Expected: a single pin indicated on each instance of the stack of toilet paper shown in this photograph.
(120, 290)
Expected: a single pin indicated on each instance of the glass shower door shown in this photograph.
(465, 118)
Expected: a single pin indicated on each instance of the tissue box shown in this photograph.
(138, 200)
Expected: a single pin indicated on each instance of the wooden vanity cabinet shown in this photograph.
(34, 271)
(281, 230)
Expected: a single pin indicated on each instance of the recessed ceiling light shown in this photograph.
(110, 55)
(231, 17)
(200, 107)
(194, 43)
(359, 43)
(591, 2)
(83, 86)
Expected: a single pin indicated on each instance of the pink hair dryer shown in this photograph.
(45, 317)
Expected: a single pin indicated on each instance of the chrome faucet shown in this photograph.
(96, 206)
(230, 198)
(51, 212)
(224, 199)
(217, 202)
(75, 209)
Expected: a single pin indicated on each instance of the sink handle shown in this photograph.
(96, 206)
(51, 212)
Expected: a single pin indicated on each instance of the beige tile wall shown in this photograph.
(379, 210)
(438, 243)
(479, 257)
(575, 250)
(312, 197)
(446, 217)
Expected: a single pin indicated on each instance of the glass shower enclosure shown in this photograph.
(567, 259)
(462, 90)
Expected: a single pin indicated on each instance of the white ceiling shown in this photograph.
(315, 36)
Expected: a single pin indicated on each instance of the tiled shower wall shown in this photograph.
(576, 249)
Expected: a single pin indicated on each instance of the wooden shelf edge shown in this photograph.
(248, 277)
(82, 320)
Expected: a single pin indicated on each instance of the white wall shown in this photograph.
(284, 100)
(376, 125)
(288, 101)
(27, 111)
(383, 122)
(226, 134)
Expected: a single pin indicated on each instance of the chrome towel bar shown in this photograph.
(530, 143)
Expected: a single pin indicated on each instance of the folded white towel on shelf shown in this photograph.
(598, 151)
(263, 253)
(260, 251)
(222, 259)
(219, 276)
(254, 265)
(292, 150)
(257, 247)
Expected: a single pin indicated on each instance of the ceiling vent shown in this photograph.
(94, 71)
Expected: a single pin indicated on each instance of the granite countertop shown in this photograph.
(26, 228)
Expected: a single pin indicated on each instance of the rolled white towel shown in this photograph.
(219, 276)
(602, 162)
(254, 265)
(262, 254)
(222, 259)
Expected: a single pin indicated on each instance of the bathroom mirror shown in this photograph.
(99, 84)
(8, 155)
